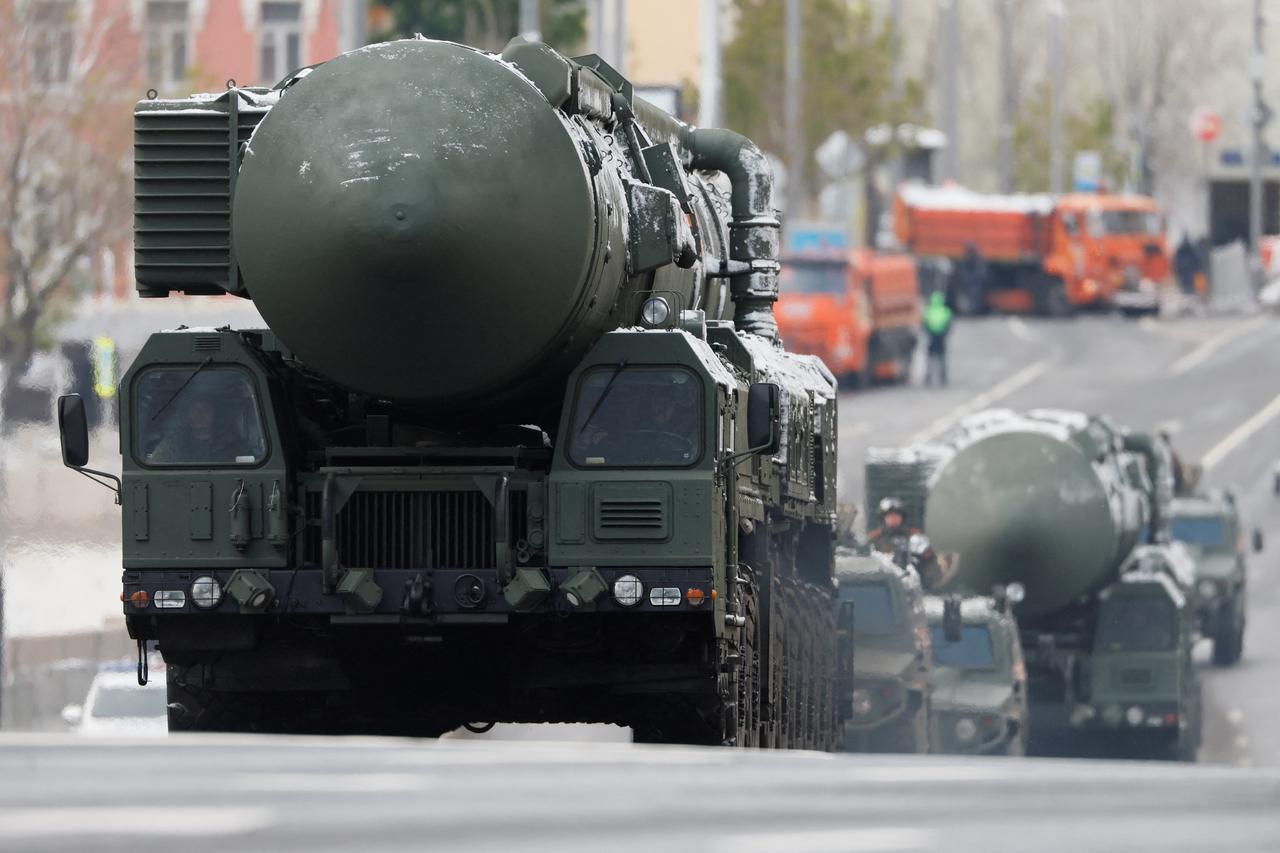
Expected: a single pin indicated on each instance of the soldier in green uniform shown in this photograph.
(906, 545)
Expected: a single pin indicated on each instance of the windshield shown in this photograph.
(872, 607)
(1205, 532)
(129, 702)
(1136, 624)
(972, 651)
(1124, 222)
(632, 416)
(193, 416)
(812, 277)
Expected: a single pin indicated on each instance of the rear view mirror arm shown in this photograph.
(94, 475)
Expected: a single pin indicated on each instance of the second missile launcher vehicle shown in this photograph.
(1209, 525)
(979, 679)
(892, 661)
(1056, 501)
(519, 442)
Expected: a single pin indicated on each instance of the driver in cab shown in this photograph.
(641, 419)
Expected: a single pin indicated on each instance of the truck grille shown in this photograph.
(409, 530)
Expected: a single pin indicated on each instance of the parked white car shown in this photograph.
(116, 705)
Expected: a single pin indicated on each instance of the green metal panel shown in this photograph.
(571, 513)
(631, 511)
(201, 510)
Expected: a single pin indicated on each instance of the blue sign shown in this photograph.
(817, 240)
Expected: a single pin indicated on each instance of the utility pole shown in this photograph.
(530, 26)
(598, 29)
(1261, 114)
(1057, 81)
(899, 77)
(1004, 15)
(711, 86)
(791, 115)
(619, 58)
(949, 94)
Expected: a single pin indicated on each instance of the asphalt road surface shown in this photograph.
(379, 795)
(1213, 382)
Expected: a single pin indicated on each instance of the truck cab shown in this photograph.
(1111, 249)
(858, 310)
(979, 678)
(1144, 689)
(1210, 528)
(892, 659)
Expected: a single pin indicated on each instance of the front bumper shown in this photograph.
(441, 596)
(1145, 296)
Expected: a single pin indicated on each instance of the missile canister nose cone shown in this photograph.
(1023, 506)
(415, 221)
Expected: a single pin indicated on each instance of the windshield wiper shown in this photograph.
(617, 371)
(182, 387)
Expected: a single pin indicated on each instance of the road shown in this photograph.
(1213, 382)
(381, 795)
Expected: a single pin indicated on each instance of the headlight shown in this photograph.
(1134, 716)
(861, 701)
(628, 591)
(966, 730)
(655, 311)
(170, 599)
(1207, 589)
(206, 592)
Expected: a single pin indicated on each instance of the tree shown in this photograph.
(487, 24)
(64, 170)
(1088, 127)
(847, 79)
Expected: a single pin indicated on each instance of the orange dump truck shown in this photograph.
(1037, 252)
(857, 310)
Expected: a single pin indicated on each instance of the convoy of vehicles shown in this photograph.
(1076, 510)
(892, 662)
(979, 677)
(486, 463)
(1039, 253)
(858, 310)
(1209, 526)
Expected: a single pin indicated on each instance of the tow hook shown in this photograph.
(416, 602)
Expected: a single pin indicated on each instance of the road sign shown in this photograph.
(1206, 125)
(1086, 171)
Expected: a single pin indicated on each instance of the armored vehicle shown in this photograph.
(1146, 694)
(890, 699)
(1058, 502)
(519, 443)
(979, 678)
(1209, 525)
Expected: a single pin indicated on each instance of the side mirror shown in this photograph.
(1257, 540)
(73, 714)
(951, 620)
(73, 430)
(762, 418)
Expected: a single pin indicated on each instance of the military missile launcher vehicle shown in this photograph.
(979, 679)
(1209, 525)
(1059, 502)
(892, 661)
(519, 442)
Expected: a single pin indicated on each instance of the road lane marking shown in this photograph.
(888, 838)
(133, 821)
(1023, 377)
(1241, 434)
(1205, 351)
(1019, 329)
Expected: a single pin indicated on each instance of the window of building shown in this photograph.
(280, 40)
(165, 41)
(53, 41)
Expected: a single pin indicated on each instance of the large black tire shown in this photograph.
(912, 734)
(1228, 643)
(1016, 747)
(1050, 296)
